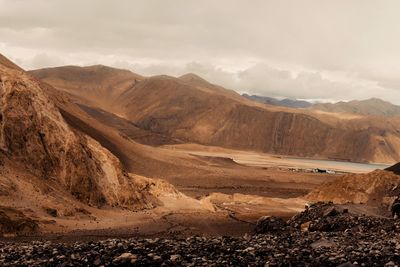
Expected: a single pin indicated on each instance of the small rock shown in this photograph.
(175, 257)
(97, 262)
(346, 264)
(125, 258)
(269, 224)
(157, 258)
(322, 243)
(305, 226)
(330, 212)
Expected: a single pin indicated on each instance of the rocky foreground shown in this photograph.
(321, 236)
(285, 249)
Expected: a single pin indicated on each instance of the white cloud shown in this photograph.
(44, 59)
(306, 49)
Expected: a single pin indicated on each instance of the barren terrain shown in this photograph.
(75, 169)
(189, 109)
(174, 183)
(64, 171)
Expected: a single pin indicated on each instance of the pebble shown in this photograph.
(373, 242)
(175, 257)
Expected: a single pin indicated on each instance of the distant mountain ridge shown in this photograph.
(367, 107)
(287, 102)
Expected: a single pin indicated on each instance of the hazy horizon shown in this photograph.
(341, 50)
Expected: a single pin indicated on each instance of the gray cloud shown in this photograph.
(304, 49)
(40, 60)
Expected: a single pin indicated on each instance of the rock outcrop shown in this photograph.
(14, 222)
(374, 187)
(34, 135)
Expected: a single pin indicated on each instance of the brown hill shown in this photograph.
(368, 107)
(106, 83)
(49, 166)
(195, 80)
(377, 188)
(192, 110)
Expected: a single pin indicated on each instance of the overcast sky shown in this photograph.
(334, 50)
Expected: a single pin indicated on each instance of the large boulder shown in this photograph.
(14, 222)
(267, 224)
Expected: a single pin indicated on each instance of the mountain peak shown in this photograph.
(376, 100)
(194, 79)
(8, 63)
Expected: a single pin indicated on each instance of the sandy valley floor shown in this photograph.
(239, 188)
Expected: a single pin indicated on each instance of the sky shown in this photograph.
(315, 50)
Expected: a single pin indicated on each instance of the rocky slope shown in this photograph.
(128, 128)
(57, 162)
(34, 134)
(190, 109)
(377, 187)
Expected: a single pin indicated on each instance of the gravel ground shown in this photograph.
(286, 249)
(321, 236)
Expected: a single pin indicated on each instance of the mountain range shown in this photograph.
(286, 102)
(367, 107)
(190, 109)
